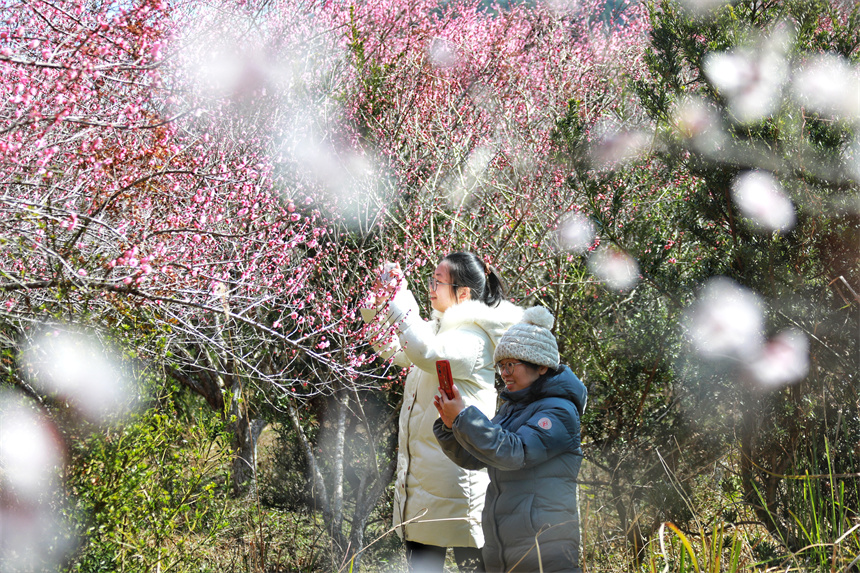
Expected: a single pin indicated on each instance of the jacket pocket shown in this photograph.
(513, 518)
(530, 514)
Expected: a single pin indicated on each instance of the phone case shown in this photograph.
(446, 381)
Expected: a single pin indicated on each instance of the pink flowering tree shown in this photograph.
(214, 185)
(156, 200)
(462, 104)
(145, 199)
(139, 202)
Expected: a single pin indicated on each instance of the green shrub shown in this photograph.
(148, 494)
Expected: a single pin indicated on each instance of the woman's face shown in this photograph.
(443, 297)
(518, 375)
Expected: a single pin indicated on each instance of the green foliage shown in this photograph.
(794, 271)
(625, 344)
(148, 494)
(731, 541)
(655, 406)
(822, 502)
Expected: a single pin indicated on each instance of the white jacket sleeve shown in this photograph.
(382, 338)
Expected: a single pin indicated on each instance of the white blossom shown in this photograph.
(761, 198)
(726, 321)
(783, 360)
(615, 268)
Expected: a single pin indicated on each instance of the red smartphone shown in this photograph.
(446, 381)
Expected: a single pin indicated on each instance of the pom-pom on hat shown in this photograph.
(530, 340)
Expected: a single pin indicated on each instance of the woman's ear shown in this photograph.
(543, 370)
(464, 294)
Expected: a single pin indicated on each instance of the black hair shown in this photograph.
(550, 371)
(484, 282)
(537, 385)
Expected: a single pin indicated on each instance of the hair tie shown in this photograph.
(486, 268)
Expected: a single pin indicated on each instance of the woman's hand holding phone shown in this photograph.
(387, 282)
(390, 271)
(449, 408)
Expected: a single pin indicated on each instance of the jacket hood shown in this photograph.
(494, 320)
(564, 384)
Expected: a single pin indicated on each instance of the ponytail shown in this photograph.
(495, 290)
(484, 282)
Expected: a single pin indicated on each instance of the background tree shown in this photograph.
(140, 200)
(212, 187)
(742, 209)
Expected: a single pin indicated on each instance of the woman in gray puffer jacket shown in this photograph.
(531, 448)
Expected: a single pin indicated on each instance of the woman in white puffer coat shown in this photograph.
(438, 504)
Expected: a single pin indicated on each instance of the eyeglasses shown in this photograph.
(432, 283)
(506, 368)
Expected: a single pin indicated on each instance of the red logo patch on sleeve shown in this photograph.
(545, 423)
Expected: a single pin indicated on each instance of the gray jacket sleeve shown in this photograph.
(546, 434)
(452, 447)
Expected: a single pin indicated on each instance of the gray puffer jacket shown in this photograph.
(532, 451)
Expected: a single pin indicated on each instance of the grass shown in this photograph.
(820, 528)
(711, 531)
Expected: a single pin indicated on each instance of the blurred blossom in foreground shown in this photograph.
(615, 268)
(222, 59)
(620, 146)
(726, 321)
(30, 450)
(219, 65)
(31, 461)
(698, 121)
(851, 157)
(576, 233)
(460, 185)
(703, 7)
(562, 7)
(830, 85)
(343, 173)
(76, 367)
(751, 78)
(783, 360)
(760, 197)
(442, 53)
(353, 181)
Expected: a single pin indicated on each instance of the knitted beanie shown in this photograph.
(530, 340)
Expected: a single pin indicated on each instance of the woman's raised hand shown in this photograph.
(387, 282)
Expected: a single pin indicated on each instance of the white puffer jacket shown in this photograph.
(429, 486)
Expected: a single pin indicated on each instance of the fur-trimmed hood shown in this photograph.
(494, 320)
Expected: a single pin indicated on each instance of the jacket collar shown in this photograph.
(564, 384)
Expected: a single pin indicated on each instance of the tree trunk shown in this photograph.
(340, 403)
(246, 432)
(762, 478)
(319, 491)
(632, 527)
(370, 485)
(373, 483)
(204, 384)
